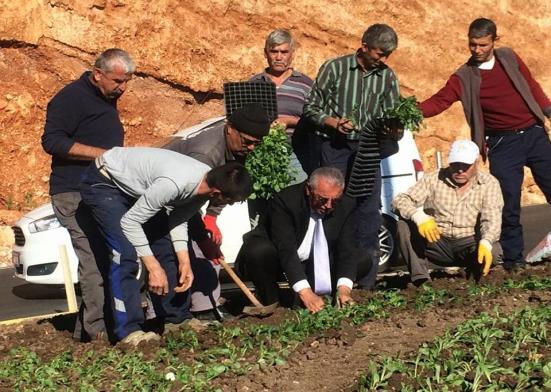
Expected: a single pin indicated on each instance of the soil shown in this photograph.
(332, 361)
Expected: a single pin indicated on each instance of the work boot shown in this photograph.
(137, 337)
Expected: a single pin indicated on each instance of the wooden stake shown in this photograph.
(68, 279)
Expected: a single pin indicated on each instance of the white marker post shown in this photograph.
(67, 277)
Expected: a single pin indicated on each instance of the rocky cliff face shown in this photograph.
(185, 50)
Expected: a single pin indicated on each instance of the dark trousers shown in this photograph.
(91, 251)
(339, 152)
(258, 261)
(508, 153)
(126, 274)
(446, 252)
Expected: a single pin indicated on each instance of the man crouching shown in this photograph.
(142, 199)
(308, 234)
(451, 217)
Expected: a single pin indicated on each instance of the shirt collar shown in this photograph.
(264, 75)
(488, 65)
(356, 66)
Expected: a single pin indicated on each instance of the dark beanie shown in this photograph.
(251, 119)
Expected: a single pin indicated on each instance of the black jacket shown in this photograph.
(286, 222)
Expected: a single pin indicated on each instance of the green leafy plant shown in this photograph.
(493, 352)
(268, 164)
(475, 356)
(404, 114)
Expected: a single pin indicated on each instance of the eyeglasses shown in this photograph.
(249, 142)
(324, 200)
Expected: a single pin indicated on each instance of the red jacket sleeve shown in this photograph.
(540, 97)
(443, 99)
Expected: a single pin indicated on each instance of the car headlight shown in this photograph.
(43, 224)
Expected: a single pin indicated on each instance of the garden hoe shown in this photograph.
(258, 310)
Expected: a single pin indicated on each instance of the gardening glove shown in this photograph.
(212, 228)
(210, 250)
(426, 225)
(485, 256)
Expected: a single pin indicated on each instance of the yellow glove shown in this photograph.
(429, 230)
(485, 256)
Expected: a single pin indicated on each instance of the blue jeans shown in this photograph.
(508, 153)
(108, 205)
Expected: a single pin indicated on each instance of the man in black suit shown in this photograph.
(308, 234)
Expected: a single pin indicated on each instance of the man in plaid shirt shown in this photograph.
(451, 217)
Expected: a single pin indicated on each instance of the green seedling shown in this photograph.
(472, 357)
(268, 164)
(462, 359)
(405, 114)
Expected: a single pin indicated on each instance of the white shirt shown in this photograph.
(488, 65)
(303, 253)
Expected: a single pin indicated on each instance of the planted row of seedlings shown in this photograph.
(492, 352)
(190, 361)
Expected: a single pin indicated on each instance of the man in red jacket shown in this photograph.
(506, 109)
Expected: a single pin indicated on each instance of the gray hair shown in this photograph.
(381, 36)
(331, 174)
(482, 27)
(111, 57)
(279, 37)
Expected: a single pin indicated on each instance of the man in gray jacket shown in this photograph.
(142, 199)
(215, 145)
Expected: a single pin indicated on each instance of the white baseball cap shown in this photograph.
(464, 151)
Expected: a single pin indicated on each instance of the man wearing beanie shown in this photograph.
(214, 146)
(451, 217)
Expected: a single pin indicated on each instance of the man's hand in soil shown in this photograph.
(344, 297)
(313, 302)
(157, 280)
(210, 250)
(185, 272)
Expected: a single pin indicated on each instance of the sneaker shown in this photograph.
(137, 337)
(220, 313)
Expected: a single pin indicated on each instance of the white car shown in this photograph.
(38, 233)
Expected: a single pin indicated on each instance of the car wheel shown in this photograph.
(388, 247)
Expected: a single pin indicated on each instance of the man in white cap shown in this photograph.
(451, 217)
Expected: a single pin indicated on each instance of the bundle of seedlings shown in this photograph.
(405, 114)
(268, 164)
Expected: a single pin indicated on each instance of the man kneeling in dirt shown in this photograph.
(308, 234)
(451, 217)
(142, 199)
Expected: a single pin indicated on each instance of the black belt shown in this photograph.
(508, 132)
